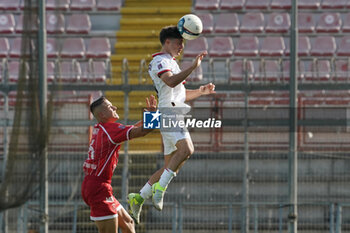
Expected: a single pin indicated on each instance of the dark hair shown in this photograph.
(169, 32)
(97, 103)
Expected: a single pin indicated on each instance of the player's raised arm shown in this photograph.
(138, 130)
(202, 90)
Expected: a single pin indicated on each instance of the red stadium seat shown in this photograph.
(82, 5)
(304, 46)
(206, 4)
(34, 24)
(194, 47)
(196, 75)
(323, 46)
(94, 72)
(50, 68)
(342, 71)
(329, 23)
(14, 68)
(319, 70)
(55, 23)
(281, 4)
(278, 23)
(232, 4)
(247, 46)
(33, 4)
(241, 69)
(333, 4)
(257, 4)
(4, 47)
(98, 48)
(306, 22)
(344, 46)
(16, 48)
(7, 23)
(73, 48)
(62, 5)
(109, 5)
(79, 23)
(69, 72)
(9, 5)
(286, 70)
(51, 48)
(208, 22)
(272, 46)
(252, 22)
(221, 47)
(308, 4)
(227, 23)
(269, 71)
(346, 23)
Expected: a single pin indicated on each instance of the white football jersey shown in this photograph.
(167, 96)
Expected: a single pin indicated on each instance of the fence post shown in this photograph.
(256, 217)
(280, 219)
(174, 219)
(75, 218)
(180, 218)
(338, 219)
(331, 218)
(230, 216)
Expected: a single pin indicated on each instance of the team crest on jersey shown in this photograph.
(160, 66)
(109, 199)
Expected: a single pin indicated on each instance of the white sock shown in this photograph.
(146, 191)
(166, 177)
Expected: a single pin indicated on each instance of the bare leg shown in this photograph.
(126, 223)
(184, 151)
(107, 226)
(156, 176)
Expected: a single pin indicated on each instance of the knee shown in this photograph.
(188, 151)
(129, 227)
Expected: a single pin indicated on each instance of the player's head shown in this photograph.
(103, 110)
(171, 40)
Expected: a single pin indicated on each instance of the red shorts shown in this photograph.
(99, 196)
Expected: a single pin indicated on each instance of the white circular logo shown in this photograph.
(52, 19)
(278, 19)
(49, 47)
(329, 19)
(3, 20)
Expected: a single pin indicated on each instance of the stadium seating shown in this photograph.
(55, 23)
(319, 70)
(207, 4)
(33, 24)
(69, 72)
(247, 46)
(304, 46)
(4, 47)
(286, 70)
(342, 71)
(344, 46)
(323, 46)
(61, 5)
(208, 22)
(333, 4)
(50, 68)
(252, 22)
(281, 4)
(73, 48)
(14, 69)
(109, 5)
(308, 4)
(227, 23)
(79, 24)
(306, 23)
(7, 23)
(269, 71)
(194, 47)
(52, 48)
(346, 23)
(94, 72)
(232, 4)
(9, 5)
(16, 48)
(196, 75)
(221, 47)
(82, 5)
(239, 69)
(272, 46)
(329, 23)
(98, 47)
(278, 23)
(257, 4)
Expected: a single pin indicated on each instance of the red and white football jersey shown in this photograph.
(104, 147)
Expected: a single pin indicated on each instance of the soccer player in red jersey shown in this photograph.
(102, 160)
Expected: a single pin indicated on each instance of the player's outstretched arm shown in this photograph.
(202, 90)
(172, 80)
(138, 130)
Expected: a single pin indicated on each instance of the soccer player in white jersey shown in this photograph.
(169, 80)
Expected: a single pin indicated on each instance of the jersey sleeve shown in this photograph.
(118, 133)
(161, 66)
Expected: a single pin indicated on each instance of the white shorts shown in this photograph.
(171, 138)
